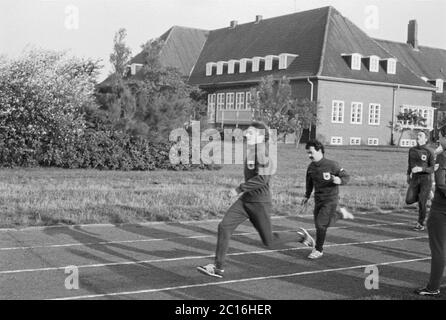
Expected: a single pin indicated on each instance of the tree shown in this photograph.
(43, 97)
(273, 103)
(121, 54)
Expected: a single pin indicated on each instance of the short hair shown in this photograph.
(262, 126)
(426, 133)
(316, 144)
(442, 130)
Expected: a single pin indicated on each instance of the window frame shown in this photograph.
(337, 113)
(352, 112)
(373, 123)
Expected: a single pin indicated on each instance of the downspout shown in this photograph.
(311, 99)
(312, 86)
(395, 89)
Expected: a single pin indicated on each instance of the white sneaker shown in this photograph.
(211, 270)
(345, 214)
(315, 254)
(307, 239)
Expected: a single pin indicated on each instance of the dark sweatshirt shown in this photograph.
(319, 177)
(256, 187)
(421, 156)
(439, 200)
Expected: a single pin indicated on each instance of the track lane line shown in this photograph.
(239, 280)
(122, 263)
(79, 244)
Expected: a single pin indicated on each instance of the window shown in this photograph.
(425, 112)
(230, 100)
(221, 67)
(355, 141)
(391, 66)
(232, 66)
(240, 101)
(336, 141)
(135, 67)
(373, 141)
(220, 101)
(244, 64)
(211, 108)
(356, 61)
(408, 142)
(271, 62)
(209, 68)
(248, 100)
(439, 85)
(258, 63)
(356, 112)
(337, 112)
(374, 64)
(285, 60)
(374, 114)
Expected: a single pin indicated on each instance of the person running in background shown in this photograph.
(324, 176)
(436, 224)
(254, 203)
(419, 171)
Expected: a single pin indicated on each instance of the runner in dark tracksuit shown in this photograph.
(255, 205)
(436, 225)
(422, 158)
(326, 195)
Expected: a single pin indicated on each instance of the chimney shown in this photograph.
(258, 18)
(412, 34)
(233, 24)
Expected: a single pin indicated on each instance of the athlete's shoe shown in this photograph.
(419, 227)
(427, 292)
(346, 214)
(315, 254)
(307, 239)
(211, 270)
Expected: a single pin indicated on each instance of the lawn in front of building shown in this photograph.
(48, 196)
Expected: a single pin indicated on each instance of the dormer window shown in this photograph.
(391, 66)
(210, 66)
(356, 61)
(271, 62)
(258, 63)
(439, 84)
(233, 66)
(374, 64)
(221, 67)
(244, 63)
(353, 59)
(134, 68)
(285, 60)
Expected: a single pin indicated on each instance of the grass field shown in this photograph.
(31, 197)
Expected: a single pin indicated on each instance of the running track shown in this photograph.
(158, 261)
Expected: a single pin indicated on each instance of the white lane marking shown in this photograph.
(219, 283)
(78, 244)
(100, 265)
(148, 223)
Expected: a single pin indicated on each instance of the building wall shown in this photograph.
(365, 94)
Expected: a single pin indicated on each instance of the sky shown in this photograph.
(86, 27)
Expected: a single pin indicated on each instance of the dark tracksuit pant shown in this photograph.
(325, 216)
(258, 213)
(436, 225)
(419, 189)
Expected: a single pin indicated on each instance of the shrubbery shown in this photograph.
(47, 118)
